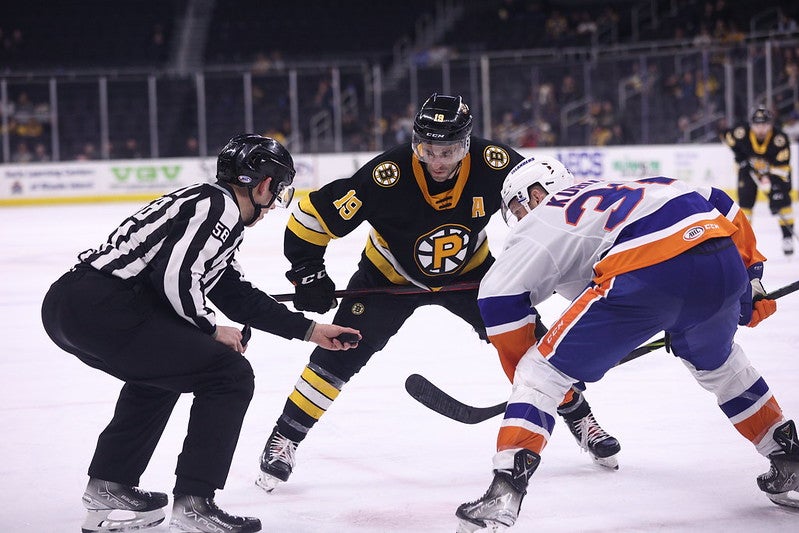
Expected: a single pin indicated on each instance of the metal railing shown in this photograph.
(346, 106)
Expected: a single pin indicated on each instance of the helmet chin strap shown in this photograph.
(257, 208)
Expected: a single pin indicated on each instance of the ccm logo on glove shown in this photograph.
(313, 289)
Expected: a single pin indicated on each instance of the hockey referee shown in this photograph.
(137, 308)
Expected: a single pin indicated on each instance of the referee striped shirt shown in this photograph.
(182, 244)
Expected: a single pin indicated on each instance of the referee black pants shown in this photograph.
(125, 330)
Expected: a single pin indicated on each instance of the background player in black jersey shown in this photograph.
(428, 204)
(763, 155)
(137, 307)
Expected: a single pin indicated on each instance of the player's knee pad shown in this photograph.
(731, 379)
(544, 384)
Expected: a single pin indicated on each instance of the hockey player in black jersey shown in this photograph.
(137, 308)
(763, 155)
(428, 204)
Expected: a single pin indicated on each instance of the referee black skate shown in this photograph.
(137, 308)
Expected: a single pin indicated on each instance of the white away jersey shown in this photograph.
(595, 230)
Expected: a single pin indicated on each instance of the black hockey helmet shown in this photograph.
(248, 159)
(442, 120)
(761, 116)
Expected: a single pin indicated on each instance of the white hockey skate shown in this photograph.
(499, 507)
(113, 507)
(277, 461)
(781, 482)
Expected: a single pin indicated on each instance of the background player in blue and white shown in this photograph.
(635, 258)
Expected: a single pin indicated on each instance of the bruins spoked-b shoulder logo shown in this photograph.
(496, 157)
(386, 173)
(443, 250)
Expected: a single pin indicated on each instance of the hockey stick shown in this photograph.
(400, 289)
(425, 392)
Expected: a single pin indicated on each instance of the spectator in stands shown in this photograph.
(544, 132)
(789, 73)
(40, 153)
(261, 65)
(281, 134)
(529, 136)
(30, 128)
(323, 99)
(619, 136)
(600, 136)
(683, 129)
(707, 90)
(687, 103)
(568, 92)
(556, 28)
(785, 23)
(191, 147)
(507, 131)
(22, 154)
(130, 150)
(585, 27)
(402, 126)
(608, 18)
(88, 152)
(23, 107)
(703, 37)
(110, 150)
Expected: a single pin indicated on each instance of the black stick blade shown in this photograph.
(424, 392)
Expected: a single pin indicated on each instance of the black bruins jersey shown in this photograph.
(771, 156)
(419, 233)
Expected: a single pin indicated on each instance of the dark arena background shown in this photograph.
(105, 104)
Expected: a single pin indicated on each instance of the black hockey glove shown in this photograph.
(313, 290)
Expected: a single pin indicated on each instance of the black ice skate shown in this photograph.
(780, 483)
(116, 507)
(195, 514)
(277, 461)
(499, 506)
(589, 434)
(787, 246)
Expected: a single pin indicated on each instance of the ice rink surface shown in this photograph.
(378, 461)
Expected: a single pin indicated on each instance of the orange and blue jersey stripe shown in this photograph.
(525, 426)
(753, 411)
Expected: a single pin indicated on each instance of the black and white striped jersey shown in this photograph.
(183, 244)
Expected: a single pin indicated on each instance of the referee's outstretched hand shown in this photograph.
(329, 336)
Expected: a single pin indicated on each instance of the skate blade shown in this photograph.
(785, 499)
(177, 526)
(611, 463)
(267, 482)
(467, 526)
(118, 521)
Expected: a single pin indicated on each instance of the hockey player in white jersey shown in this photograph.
(635, 258)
